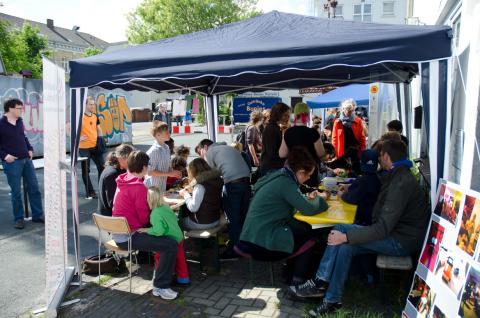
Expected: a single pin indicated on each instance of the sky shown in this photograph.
(106, 19)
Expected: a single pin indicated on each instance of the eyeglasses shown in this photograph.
(19, 108)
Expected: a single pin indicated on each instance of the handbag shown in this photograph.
(108, 264)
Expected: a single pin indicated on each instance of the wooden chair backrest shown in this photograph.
(112, 224)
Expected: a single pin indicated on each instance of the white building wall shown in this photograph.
(345, 10)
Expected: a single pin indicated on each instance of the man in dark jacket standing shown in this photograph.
(16, 155)
(400, 220)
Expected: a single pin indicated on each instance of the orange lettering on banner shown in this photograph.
(113, 113)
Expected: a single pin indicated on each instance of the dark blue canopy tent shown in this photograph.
(272, 51)
(332, 99)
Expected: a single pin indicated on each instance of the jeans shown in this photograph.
(236, 198)
(166, 246)
(335, 263)
(15, 171)
(90, 153)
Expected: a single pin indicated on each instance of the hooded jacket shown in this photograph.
(270, 217)
(130, 201)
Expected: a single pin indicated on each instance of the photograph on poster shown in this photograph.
(448, 203)
(421, 297)
(432, 246)
(437, 313)
(470, 226)
(451, 269)
(470, 303)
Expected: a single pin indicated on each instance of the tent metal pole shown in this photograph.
(366, 79)
(210, 118)
(393, 72)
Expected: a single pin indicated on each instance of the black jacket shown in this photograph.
(106, 189)
(400, 212)
(364, 193)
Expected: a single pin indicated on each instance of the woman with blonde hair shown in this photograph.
(348, 130)
(253, 137)
(203, 197)
(302, 135)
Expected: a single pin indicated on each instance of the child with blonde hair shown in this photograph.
(164, 223)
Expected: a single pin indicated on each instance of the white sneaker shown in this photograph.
(164, 293)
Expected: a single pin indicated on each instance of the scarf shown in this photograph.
(404, 162)
(347, 120)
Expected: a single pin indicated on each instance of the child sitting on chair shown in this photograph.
(164, 223)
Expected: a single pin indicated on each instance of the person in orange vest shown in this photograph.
(348, 130)
(91, 145)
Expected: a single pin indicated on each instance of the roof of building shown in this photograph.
(58, 34)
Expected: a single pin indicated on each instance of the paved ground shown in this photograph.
(227, 294)
(22, 251)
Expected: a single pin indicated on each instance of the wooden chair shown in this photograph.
(114, 225)
(386, 262)
(209, 234)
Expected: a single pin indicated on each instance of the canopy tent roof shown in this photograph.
(272, 51)
(359, 92)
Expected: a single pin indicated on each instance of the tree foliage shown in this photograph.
(22, 49)
(90, 51)
(157, 19)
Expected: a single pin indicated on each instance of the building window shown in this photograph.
(339, 11)
(388, 8)
(362, 12)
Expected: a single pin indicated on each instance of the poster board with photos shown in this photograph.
(447, 279)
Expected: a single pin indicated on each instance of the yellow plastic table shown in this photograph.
(339, 212)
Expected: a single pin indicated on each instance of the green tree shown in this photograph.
(157, 19)
(23, 49)
(90, 51)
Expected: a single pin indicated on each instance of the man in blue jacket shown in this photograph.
(16, 154)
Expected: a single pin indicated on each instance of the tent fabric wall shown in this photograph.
(434, 96)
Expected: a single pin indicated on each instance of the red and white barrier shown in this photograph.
(181, 129)
(225, 129)
(222, 129)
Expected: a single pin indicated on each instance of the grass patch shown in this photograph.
(104, 279)
(179, 301)
(361, 300)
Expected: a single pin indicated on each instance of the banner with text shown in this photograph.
(54, 178)
(242, 107)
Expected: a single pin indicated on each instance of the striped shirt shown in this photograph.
(159, 161)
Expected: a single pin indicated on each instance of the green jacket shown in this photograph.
(165, 223)
(270, 215)
(400, 212)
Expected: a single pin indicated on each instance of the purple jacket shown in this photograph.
(13, 140)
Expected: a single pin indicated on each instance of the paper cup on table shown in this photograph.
(330, 183)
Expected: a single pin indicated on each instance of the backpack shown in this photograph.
(242, 139)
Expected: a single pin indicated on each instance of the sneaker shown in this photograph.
(312, 288)
(93, 195)
(325, 308)
(164, 293)
(20, 224)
